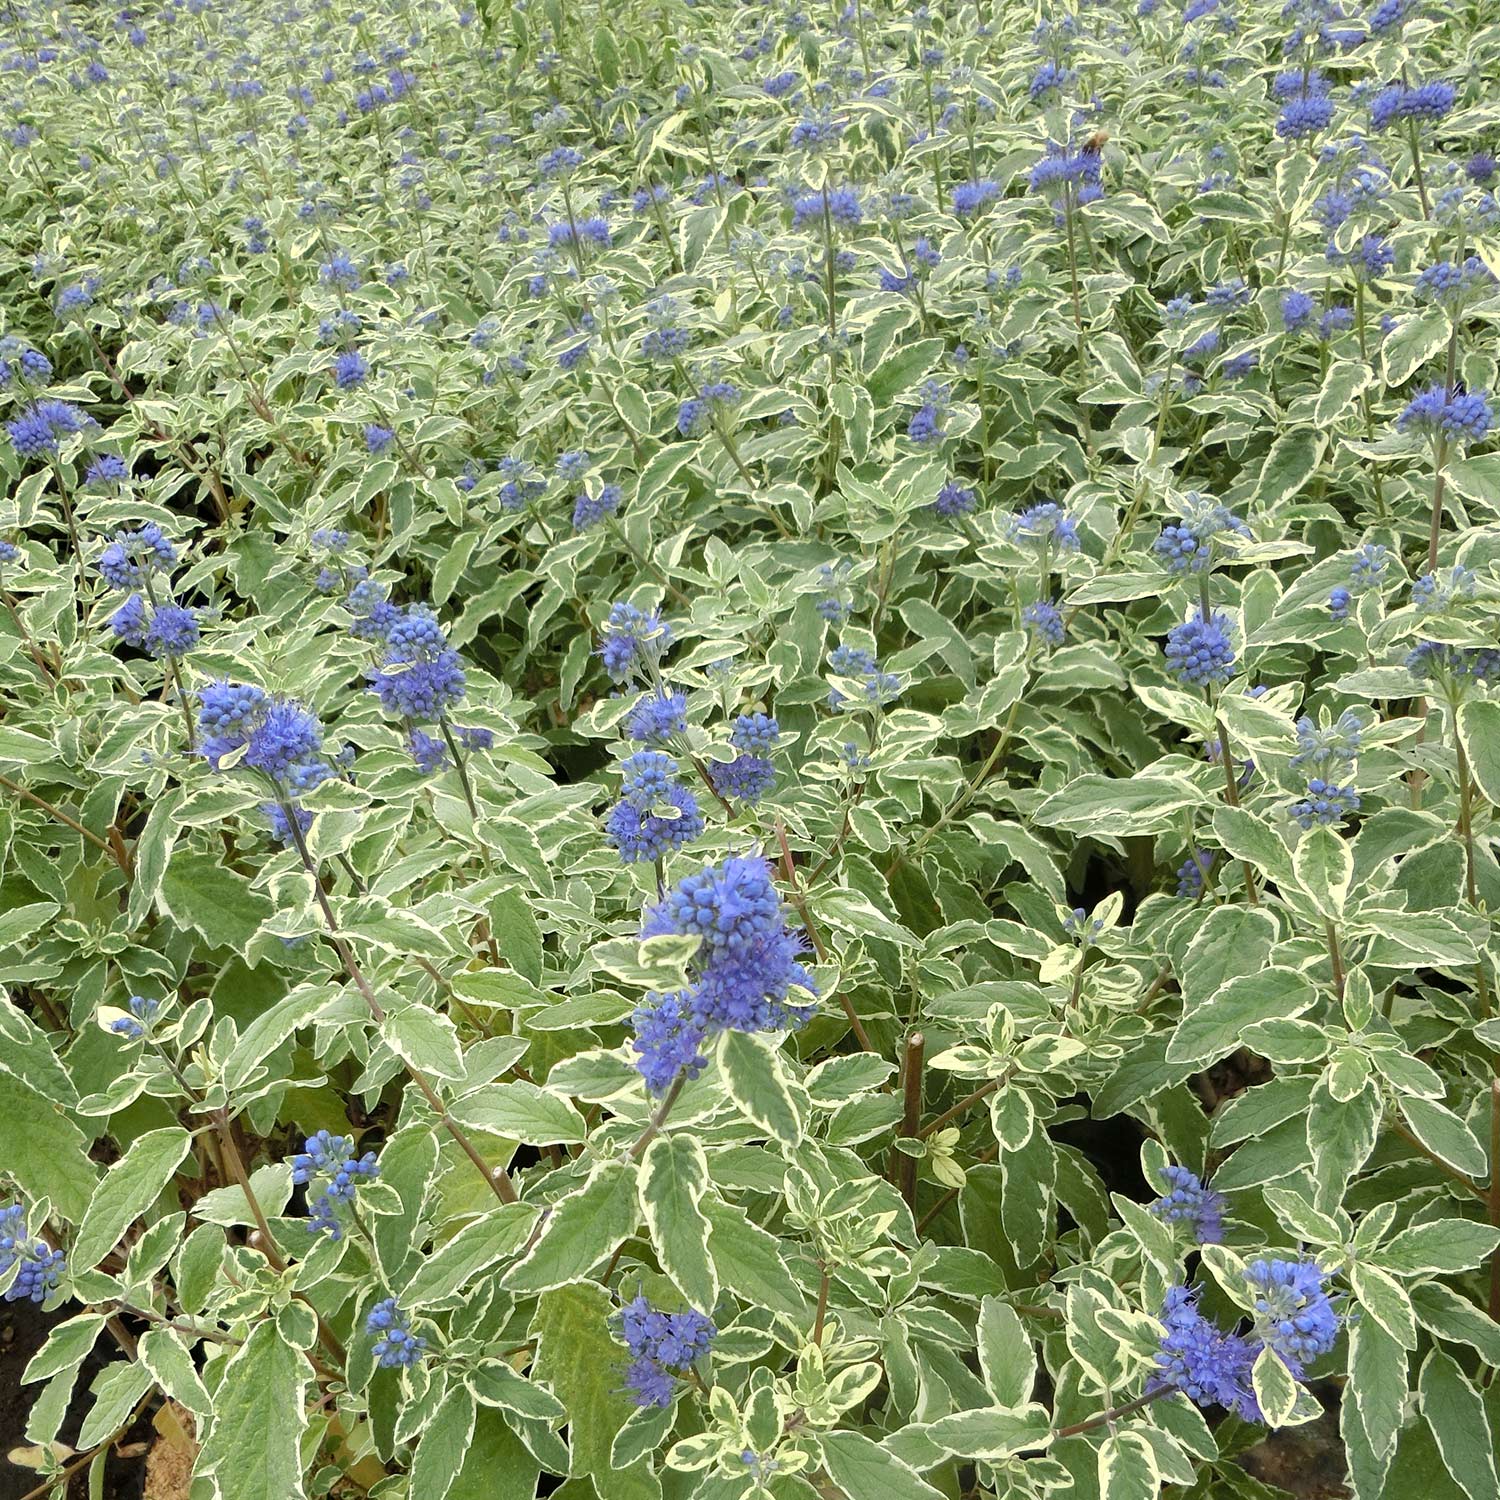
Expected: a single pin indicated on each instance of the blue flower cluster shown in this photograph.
(1307, 109)
(20, 363)
(663, 1347)
(133, 556)
(743, 974)
(421, 677)
(143, 1013)
(134, 560)
(395, 1346)
(747, 778)
(1044, 622)
(1460, 416)
(1292, 1315)
(633, 641)
(40, 1265)
(877, 688)
(1435, 593)
(1454, 668)
(656, 717)
(1045, 525)
(1200, 652)
(954, 500)
(1209, 1367)
(656, 812)
(1077, 172)
(1454, 286)
(277, 737)
(1401, 102)
(1188, 1202)
(1192, 873)
(37, 430)
(332, 1157)
(1191, 543)
(589, 510)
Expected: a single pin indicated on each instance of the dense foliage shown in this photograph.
(753, 750)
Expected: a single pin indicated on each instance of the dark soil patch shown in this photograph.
(23, 1330)
(1305, 1461)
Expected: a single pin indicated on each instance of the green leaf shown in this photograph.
(631, 400)
(67, 1346)
(425, 1040)
(582, 1230)
(1412, 343)
(1460, 1425)
(163, 1352)
(129, 1188)
(577, 1356)
(1342, 1135)
(1440, 1248)
(251, 1449)
(1479, 733)
(1230, 942)
(1415, 937)
(673, 1179)
(1383, 1297)
(116, 1389)
(521, 1111)
(902, 370)
(1212, 1030)
(1007, 1359)
(496, 1384)
(863, 1470)
(1246, 836)
(748, 1260)
(658, 963)
(1442, 1311)
(24, 922)
(1127, 1467)
(1344, 381)
(27, 1051)
(198, 892)
(993, 1433)
(496, 1464)
(1275, 1389)
(853, 912)
(1117, 808)
(440, 1450)
(18, 748)
(475, 1248)
(269, 1030)
(758, 1084)
(1324, 866)
(1446, 1136)
(1377, 1383)
(1292, 461)
(1477, 479)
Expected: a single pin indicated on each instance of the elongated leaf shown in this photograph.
(758, 1084)
(581, 1231)
(129, 1188)
(426, 1040)
(445, 1439)
(251, 1449)
(522, 1112)
(673, 1179)
(1127, 1468)
(1455, 1412)
(1006, 1356)
(480, 1244)
(863, 1470)
(1212, 1030)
